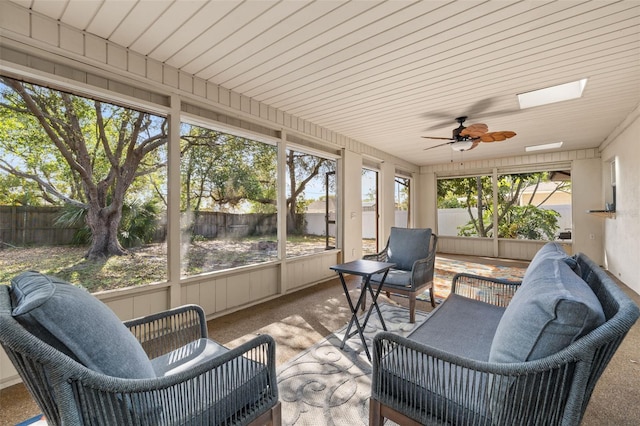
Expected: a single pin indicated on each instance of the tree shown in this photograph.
(302, 169)
(222, 172)
(79, 152)
(516, 218)
(402, 193)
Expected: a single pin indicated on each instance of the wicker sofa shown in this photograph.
(500, 352)
(83, 366)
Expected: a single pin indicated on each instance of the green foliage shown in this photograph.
(139, 223)
(137, 226)
(222, 172)
(449, 201)
(526, 221)
(529, 222)
(73, 216)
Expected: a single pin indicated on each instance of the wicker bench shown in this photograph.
(505, 352)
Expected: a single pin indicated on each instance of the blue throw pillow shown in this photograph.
(551, 251)
(553, 308)
(406, 245)
(76, 323)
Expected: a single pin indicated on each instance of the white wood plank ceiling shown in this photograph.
(388, 72)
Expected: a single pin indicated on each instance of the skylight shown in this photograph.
(549, 95)
(543, 146)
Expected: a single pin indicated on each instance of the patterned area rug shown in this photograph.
(447, 268)
(326, 385)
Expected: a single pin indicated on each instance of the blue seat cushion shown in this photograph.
(406, 245)
(395, 277)
(470, 326)
(224, 391)
(186, 357)
(76, 323)
(553, 308)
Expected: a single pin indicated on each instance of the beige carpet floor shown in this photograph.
(299, 320)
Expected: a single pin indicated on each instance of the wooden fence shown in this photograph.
(35, 226)
(24, 226)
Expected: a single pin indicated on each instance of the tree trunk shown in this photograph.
(291, 218)
(481, 231)
(104, 231)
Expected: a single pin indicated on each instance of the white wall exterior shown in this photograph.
(586, 188)
(622, 233)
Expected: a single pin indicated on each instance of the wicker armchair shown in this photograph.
(416, 383)
(198, 382)
(415, 252)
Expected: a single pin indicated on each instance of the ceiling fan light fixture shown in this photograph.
(462, 145)
(549, 95)
(543, 147)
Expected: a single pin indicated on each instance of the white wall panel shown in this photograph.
(307, 270)
(622, 244)
(220, 295)
(44, 30)
(15, 19)
(466, 246)
(238, 290)
(71, 40)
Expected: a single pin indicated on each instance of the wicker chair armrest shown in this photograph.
(496, 291)
(378, 257)
(423, 270)
(166, 331)
(245, 372)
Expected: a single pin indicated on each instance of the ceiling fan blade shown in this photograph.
(437, 146)
(497, 136)
(477, 109)
(475, 130)
(438, 138)
(480, 107)
(496, 113)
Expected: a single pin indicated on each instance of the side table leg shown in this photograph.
(374, 302)
(354, 317)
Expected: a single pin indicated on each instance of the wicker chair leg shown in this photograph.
(432, 296)
(375, 418)
(272, 417)
(276, 415)
(379, 412)
(412, 308)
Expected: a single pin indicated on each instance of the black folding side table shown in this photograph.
(366, 269)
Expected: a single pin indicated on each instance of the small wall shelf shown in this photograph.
(603, 213)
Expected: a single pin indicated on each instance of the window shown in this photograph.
(535, 206)
(83, 181)
(402, 196)
(228, 201)
(465, 207)
(311, 203)
(610, 191)
(369, 211)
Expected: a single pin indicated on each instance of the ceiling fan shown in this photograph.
(467, 138)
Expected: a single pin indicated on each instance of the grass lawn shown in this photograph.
(143, 265)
